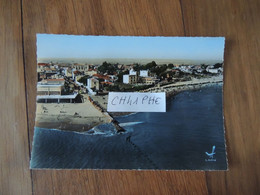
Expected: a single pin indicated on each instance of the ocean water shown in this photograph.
(177, 139)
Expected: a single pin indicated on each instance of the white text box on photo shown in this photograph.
(136, 102)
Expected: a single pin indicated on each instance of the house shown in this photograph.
(127, 67)
(91, 72)
(41, 67)
(132, 72)
(144, 73)
(56, 76)
(93, 83)
(81, 67)
(129, 79)
(106, 78)
(76, 75)
(212, 70)
(149, 80)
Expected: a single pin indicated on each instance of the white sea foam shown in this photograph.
(130, 123)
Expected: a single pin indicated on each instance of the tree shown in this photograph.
(120, 76)
(203, 66)
(106, 68)
(218, 65)
(84, 79)
(150, 65)
(170, 66)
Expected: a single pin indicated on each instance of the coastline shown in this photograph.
(81, 117)
(173, 89)
(186, 85)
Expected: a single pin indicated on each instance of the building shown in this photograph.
(76, 75)
(58, 98)
(81, 67)
(56, 76)
(93, 83)
(50, 87)
(129, 79)
(126, 78)
(144, 73)
(132, 72)
(91, 72)
(45, 89)
(149, 80)
(213, 70)
(106, 78)
(53, 81)
(65, 71)
(41, 67)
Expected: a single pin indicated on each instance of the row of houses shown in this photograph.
(142, 76)
(199, 69)
(47, 70)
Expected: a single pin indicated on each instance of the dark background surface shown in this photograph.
(237, 20)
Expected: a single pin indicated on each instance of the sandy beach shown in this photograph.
(69, 116)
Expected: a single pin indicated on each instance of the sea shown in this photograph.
(188, 136)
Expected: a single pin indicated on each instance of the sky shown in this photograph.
(80, 46)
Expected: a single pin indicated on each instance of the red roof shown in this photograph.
(55, 80)
(109, 83)
(77, 72)
(43, 64)
(101, 76)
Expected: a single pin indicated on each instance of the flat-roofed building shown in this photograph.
(73, 98)
(60, 81)
(50, 87)
(129, 79)
(93, 83)
(149, 80)
(143, 73)
(132, 72)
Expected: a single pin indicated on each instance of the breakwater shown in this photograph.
(119, 129)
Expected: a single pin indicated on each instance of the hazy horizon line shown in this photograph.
(130, 60)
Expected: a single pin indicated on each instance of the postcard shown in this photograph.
(129, 102)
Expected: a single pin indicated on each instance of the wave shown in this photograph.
(127, 115)
(107, 129)
(130, 124)
(93, 132)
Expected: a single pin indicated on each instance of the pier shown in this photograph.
(119, 129)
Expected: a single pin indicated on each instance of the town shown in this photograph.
(66, 82)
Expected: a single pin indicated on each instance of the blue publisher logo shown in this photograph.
(211, 155)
